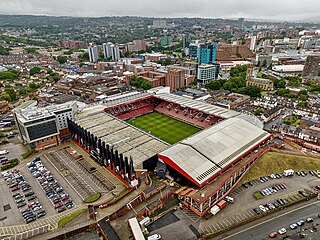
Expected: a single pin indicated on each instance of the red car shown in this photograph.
(273, 235)
(65, 197)
(58, 205)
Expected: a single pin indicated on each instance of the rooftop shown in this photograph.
(120, 135)
(206, 153)
(32, 112)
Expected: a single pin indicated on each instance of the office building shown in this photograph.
(186, 40)
(42, 128)
(207, 53)
(193, 51)
(208, 72)
(93, 52)
(107, 49)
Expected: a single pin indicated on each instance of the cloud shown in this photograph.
(271, 9)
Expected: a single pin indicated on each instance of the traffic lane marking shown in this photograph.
(271, 219)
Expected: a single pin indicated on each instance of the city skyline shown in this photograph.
(273, 10)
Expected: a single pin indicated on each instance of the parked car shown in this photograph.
(58, 205)
(309, 220)
(282, 231)
(300, 223)
(61, 209)
(273, 234)
(256, 210)
(20, 205)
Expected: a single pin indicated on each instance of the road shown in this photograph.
(262, 229)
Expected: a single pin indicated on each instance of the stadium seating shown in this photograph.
(174, 110)
(133, 109)
(187, 115)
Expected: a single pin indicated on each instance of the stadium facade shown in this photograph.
(212, 160)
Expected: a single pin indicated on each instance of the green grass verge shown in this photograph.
(163, 127)
(258, 195)
(69, 218)
(276, 162)
(92, 198)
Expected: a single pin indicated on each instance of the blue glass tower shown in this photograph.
(207, 53)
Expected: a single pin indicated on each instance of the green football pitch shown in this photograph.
(163, 127)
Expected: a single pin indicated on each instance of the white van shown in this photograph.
(154, 237)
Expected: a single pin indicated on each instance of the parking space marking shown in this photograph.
(243, 216)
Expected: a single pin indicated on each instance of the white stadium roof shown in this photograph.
(206, 153)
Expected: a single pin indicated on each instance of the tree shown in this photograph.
(62, 59)
(84, 56)
(253, 91)
(35, 70)
(10, 94)
(139, 82)
(9, 75)
(22, 91)
(167, 62)
(280, 83)
(146, 85)
(214, 85)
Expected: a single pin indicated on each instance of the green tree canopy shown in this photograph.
(35, 70)
(214, 85)
(62, 59)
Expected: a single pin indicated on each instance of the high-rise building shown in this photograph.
(253, 43)
(175, 79)
(241, 22)
(165, 41)
(115, 52)
(159, 23)
(93, 52)
(193, 51)
(207, 53)
(107, 49)
(186, 40)
(208, 72)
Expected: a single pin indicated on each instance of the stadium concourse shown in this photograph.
(225, 141)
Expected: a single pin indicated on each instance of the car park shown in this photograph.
(49, 185)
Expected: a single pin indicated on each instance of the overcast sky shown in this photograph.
(266, 9)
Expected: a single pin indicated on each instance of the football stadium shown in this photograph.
(205, 148)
